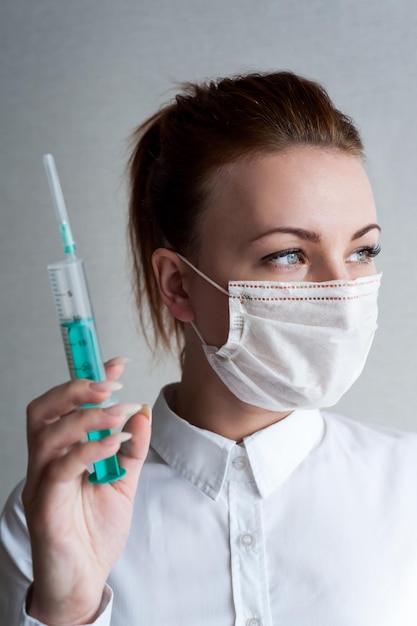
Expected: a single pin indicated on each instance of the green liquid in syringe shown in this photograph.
(81, 342)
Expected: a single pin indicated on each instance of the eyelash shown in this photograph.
(371, 253)
(284, 253)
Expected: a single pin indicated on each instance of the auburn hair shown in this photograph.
(178, 150)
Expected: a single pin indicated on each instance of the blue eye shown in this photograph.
(286, 257)
(364, 255)
(360, 256)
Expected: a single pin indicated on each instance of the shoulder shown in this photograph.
(366, 430)
(371, 442)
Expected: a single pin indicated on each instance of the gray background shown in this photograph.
(77, 76)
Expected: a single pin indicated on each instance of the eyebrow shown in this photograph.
(362, 231)
(311, 236)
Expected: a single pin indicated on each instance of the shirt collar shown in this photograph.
(202, 457)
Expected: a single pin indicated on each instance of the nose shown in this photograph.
(330, 269)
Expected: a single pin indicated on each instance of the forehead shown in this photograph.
(304, 187)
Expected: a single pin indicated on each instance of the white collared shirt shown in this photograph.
(310, 522)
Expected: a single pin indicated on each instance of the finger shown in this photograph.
(54, 441)
(115, 367)
(133, 453)
(73, 465)
(64, 399)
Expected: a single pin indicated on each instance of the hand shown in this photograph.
(78, 529)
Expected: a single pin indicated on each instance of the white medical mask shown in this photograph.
(294, 344)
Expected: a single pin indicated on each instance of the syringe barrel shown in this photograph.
(76, 318)
(70, 290)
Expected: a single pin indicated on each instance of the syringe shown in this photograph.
(75, 314)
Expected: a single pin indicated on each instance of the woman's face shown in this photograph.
(304, 215)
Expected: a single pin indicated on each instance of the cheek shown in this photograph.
(211, 315)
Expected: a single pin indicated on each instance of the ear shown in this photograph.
(171, 276)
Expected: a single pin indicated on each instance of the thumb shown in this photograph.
(133, 453)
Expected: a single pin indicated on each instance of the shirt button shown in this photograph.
(246, 540)
(253, 621)
(240, 463)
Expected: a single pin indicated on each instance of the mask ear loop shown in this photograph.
(197, 332)
(200, 273)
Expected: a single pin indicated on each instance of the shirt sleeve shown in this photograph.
(103, 618)
(16, 574)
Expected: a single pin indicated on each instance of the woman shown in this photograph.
(253, 232)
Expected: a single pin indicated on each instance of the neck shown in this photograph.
(204, 401)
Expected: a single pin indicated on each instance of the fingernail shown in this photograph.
(122, 437)
(106, 385)
(119, 360)
(124, 408)
(119, 438)
(146, 410)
